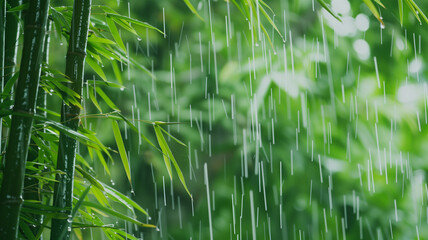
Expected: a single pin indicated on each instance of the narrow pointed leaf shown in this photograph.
(96, 67)
(114, 213)
(122, 151)
(113, 193)
(192, 8)
(329, 10)
(161, 141)
(400, 11)
(374, 10)
(168, 154)
(115, 33)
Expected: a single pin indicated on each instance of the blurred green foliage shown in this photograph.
(326, 127)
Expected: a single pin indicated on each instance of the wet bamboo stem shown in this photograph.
(22, 120)
(2, 39)
(32, 184)
(75, 62)
(11, 42)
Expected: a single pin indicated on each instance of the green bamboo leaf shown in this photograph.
(115, 33)
(80, 159)
(175, 139)
(373, 9)
(380, 3)
(328, 9)
(135, 129)
(119, 197)
(95, 39)
(114, 213)
(18, 8)
(134, 21)
(96, 67)
(169, 156)
(76, 207)
(104, 83)
(90, 178)
(419, 11)
(400, 11)
(94, 100)
(270, 21)
(106, 99)
(412, 8)
(122, 151)
(26, 230)
(103, 161)
(9, 85)
(192, 8)
(166, 157)
(116, 71)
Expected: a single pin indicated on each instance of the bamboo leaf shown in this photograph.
(18, 8)
(114, 213)
(400, 11)
(373, 9)
(380, 3)
(122, 151)
(113, 193)
(175, 139)
(106, 99)
(115, 33)
(134, 21)
(419, 11)
(90, 178)
(26, 230)
(328, 9)
(93, 99)
(412, 8)
(166, 158)
(103, 161)
(192, 8)
(96, 67)
(9, 85)
(169, 156)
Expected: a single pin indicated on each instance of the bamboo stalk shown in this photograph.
(75, 62)
(11, 42)
(2, 39)
(32, 184)
(20, 131)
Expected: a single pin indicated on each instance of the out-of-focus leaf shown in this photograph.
(329, 10)
(26, 230)
(400, 11)
(374, 10)
(418, 11)
(18, 8)
(192, 8)
(122, 151)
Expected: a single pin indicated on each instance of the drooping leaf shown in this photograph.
(329, 10)
(167, 154)
(116, 195)
(114, 213)
(122, 151)
(374, 10)
(192, 8)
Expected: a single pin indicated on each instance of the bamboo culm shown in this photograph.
(11, 42)
(22, 118)
(31, 183)
(75, 62)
